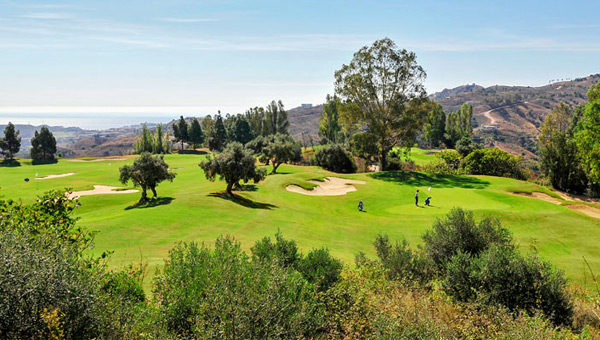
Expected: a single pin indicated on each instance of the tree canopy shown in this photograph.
(146, 172)
(195, 133)
(329, 127)
(180, 131)
(558, 150)
(218, 136)
(276, 118)
(382, 90)
(281, 149)
(233, 165)
(11, 143)
(43, 145)
(588, 135)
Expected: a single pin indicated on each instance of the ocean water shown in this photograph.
(99, 121)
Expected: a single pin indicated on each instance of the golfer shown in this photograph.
(417, 198)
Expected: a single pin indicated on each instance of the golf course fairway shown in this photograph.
(193, 209)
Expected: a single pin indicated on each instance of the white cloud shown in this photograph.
(45, 16)
(187, 20)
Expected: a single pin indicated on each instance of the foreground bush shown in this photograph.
(477, 262)
(335, 158)
(220, 293)
(49, 289)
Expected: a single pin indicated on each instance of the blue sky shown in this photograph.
(199, 56)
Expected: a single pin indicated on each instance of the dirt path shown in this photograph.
(332, 186)
(487, 115)
(100, 190)
(56, 176)
(492, 120)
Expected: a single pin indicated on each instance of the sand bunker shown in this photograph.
(56, 176)
(540, 196)
(332, 186)
(585, 209)
(100, 190)
(582, 208)
(98, 159)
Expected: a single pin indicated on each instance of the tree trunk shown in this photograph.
(228, 190)
(383, 160)
(153, 188)
(144, 195)
(275, 166)
(182, 145)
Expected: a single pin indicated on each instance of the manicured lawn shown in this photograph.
(196, 212)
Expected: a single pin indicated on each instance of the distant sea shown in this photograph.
(96, 121)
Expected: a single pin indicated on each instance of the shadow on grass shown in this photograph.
(427, 179)
(246, 187)
(44, 161)
(192, 152)
(153, 202)
(10, 164)
(243, 201)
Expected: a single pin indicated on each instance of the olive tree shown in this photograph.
(234, 164)
(281, 149)
(146, 172)
(382, 91)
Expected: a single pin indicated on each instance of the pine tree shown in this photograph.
(11, 143)
(218, 135)
(195, 133)
(43, 145)
(180, 131)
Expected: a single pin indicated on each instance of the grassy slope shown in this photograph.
(562, 236)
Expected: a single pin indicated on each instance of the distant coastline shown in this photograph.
(86, 121)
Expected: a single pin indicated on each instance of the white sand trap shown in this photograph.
(540, 196)
(56, 176)
(98, 159)
(332, 186)
(100, 190)
(585, 209)
(582, 208)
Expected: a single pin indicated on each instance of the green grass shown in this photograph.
(422, 157)
(194, 211)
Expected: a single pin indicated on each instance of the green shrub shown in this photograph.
(518, 282)
(335, 158)
(447, 162)
(220, 293)
(466, 145)
(399, 261)
(283, 251)
(459, 232)
(320, 269)
(494, 162)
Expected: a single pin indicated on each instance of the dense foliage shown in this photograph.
(588, 135)
(559, 154)
(50, 289)
(147, 142)
(329, 127)
(335, 158)
(493, 162)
